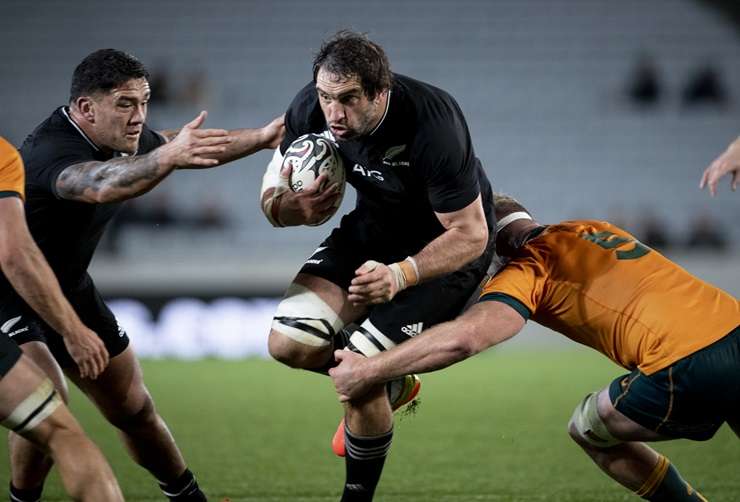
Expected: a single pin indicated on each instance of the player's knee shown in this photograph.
(303, 328)
(587, 427)
(140, 414)
(284, 350)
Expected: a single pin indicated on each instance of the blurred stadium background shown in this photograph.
(580, 108)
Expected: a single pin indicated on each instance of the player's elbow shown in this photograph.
(107, 194)
(481, 239)
(477, 239)
(14, 256)
(466, 342)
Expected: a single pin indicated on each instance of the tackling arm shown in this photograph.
(30, 275)
(486, 324)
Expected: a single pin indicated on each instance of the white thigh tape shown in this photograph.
(34, 409)
(306, 318)
(369, 340)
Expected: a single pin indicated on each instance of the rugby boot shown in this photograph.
(401, 392)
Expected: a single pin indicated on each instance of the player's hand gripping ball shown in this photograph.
(310, 156)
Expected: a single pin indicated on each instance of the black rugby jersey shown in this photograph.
(418, 160)
(66, 231)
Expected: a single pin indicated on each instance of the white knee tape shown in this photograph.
(589, 424)
(369, 341)
(34, 409)
(304, 317)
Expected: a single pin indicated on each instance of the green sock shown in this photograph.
(665, 484)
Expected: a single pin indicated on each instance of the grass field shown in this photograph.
(490, 429)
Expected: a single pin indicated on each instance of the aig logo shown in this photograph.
(368, 173)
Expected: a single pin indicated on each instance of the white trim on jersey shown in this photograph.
(385, 114)
(79, 129)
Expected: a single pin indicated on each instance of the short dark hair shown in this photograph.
(349, 54)
(103, 70)
(504, 205)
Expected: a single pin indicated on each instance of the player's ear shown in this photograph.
(86, 107)
(380, 95)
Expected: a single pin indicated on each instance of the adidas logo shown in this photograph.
(413, 329)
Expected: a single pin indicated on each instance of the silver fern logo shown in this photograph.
(392, 153)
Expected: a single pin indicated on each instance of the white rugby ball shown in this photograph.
(310, 156)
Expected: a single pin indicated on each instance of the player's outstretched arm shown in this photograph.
(245, 142)
(248, 141)
(25, 267)
(123, 178)
(484, 325)
(728, 162)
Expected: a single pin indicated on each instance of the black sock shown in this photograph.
(364, 460)
(183, 489)
(27, 495)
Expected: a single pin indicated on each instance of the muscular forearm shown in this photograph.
(442, 346)
(33, 279)
(115, 180)
(243, 142)
(450, 251)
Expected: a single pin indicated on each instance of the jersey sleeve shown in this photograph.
(50, 157)
(303, 116)
(444, 153)
(520, 285)
(12, 176)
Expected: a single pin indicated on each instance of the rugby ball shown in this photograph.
(310, 156)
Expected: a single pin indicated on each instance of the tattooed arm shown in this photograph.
(112, 181)
(30, 275)
(244, 141)
(127, 177)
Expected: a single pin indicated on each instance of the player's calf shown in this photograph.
(86, 475)
(631, 463)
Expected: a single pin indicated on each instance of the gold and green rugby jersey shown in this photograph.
(12, 176)
(599, 286)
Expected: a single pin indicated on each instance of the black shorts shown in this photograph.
(23, 325)
(412, 310)
(9, 354)
(691, 398)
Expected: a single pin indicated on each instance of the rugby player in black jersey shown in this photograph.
(409, 255)
(81, 163)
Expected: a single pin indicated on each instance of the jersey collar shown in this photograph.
(79, 129)
(385, 114)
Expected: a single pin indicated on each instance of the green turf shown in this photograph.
(490, 429)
